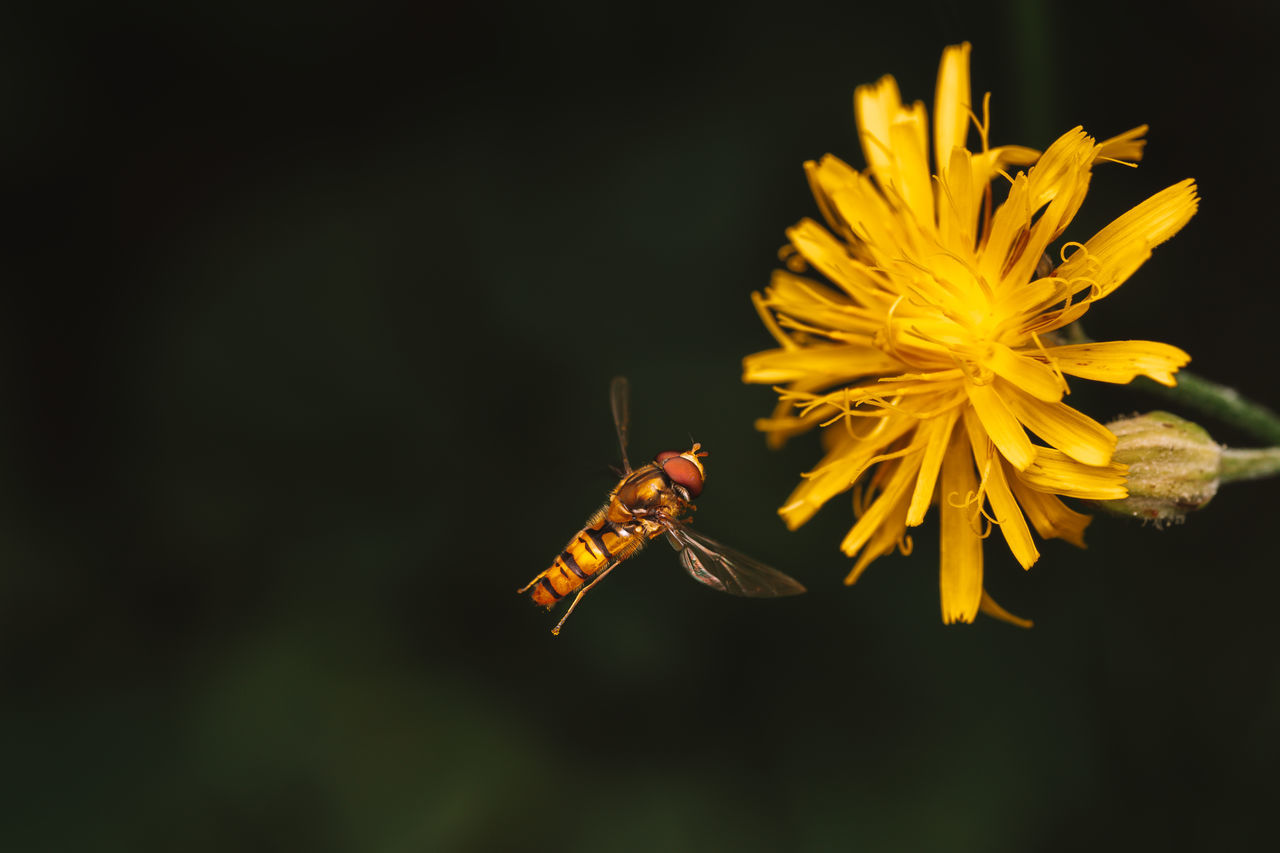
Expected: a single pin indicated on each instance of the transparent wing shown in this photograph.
(620, 401)
(727, 570)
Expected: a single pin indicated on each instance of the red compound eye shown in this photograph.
(681, 471)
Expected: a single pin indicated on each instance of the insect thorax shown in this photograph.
(647, 492)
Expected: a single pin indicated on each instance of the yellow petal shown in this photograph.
(958, 205)
(1008, 225)
(1054, 320)
(1059, 168)
(912, 178)
(1115, 252)
(1017, 304)
(875, 106)
(854, 207)
(799, 298)
(1075, 434)
(859, 207)
(935, 433)
(1060, 180)
(1001, 424)
(1005, 509)
(827, 176)
(778, 429)
(1055, 472)
(883, 541)
(839, 468)
(1126, 147)
(1013, 525)
(895, 491)
(995, 611)
(960, 575)
(1120, 361)
(836, 362)
(784, 424)
(1013, 155)
(951, 103)
(1048, 226)
(830, 257)
(1034, 377)
(986, 164)
(1051, 518)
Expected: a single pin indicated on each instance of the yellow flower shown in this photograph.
(933, 349)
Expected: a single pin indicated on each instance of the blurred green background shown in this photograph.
(309, 321)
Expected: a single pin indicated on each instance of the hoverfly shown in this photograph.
(647, 503)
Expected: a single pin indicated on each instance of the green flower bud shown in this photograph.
(1173, 467)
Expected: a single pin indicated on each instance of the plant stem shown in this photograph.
(1221, 402)
(1248, 464)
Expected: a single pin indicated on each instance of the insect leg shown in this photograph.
(522, 590)
(581, 592)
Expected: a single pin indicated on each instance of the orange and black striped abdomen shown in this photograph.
(595, 547)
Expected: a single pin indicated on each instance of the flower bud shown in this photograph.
(1173, 467)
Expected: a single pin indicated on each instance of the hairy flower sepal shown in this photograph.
(1175, 466)
(927, 351)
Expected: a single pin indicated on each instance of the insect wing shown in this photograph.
(620, 402)
(727, 570)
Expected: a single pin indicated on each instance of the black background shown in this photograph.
(310, 317)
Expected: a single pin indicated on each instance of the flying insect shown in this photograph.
(651, 501)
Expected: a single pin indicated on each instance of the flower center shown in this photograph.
(929, 338)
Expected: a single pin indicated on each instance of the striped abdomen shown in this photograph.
(594, 548)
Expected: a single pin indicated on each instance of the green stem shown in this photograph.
(1248, 464)
(1221, 402)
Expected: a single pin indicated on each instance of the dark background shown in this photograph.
(309, 320)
